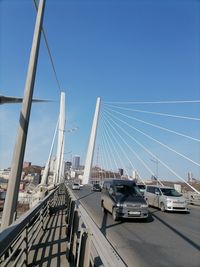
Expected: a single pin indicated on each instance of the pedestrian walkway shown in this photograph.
(49, 249)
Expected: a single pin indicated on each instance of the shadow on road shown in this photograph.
(85, 196)
(104, 227)
(178, 232)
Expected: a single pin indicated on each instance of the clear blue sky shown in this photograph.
(118, 50)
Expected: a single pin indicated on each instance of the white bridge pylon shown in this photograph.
(91, 145)
(60, 128)
(59, 173)
(44, 186)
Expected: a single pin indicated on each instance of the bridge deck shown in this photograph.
(50, 247)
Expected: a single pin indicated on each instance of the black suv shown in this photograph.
(123, 199)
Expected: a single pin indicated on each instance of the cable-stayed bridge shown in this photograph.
(66, 228)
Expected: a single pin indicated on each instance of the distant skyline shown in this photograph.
(121, 51)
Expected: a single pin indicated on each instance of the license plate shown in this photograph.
(134, 212)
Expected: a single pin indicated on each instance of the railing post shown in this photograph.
(70, 218)
(71, 253)
(42, 218)
(25, 245)
(84, 249)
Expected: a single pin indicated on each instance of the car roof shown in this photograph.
(119, 181)
(161, 187)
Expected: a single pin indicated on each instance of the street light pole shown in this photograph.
(10, 205)
(156, 162)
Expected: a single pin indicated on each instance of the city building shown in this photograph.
(76, 163)
(68, 165)
(26, 164)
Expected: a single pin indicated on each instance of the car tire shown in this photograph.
(114, 214)
(162, 207)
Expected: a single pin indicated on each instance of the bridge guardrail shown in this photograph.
(87, 246)
(193, 198)
(17, 239)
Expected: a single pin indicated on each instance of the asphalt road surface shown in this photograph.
(165, 240)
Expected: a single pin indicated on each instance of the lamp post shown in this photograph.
(9, 213)
(156, 162)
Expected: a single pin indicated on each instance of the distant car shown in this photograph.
(165, 198)
(96, 187)
(76, 186)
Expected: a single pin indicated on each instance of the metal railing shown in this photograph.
(16, 240)
(193, 198)
(86, 244)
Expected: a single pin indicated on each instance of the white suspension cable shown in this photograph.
(102, 160)
(149, 152)
(123, 152)
(107, 153)
(103, 153)
(150, 137)
(114, 149)
(143, 163)
(155, 102)
(108, 145)
(154, 125)
(157, 113)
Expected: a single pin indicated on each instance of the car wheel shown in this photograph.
(162, 207)
(114, 215)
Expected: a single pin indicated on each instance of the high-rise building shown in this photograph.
(68, 165)
(75, 162)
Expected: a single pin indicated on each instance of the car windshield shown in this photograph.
(127, 190)
(141, 186)
(170, 192)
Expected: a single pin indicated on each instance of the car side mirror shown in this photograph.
(157, 193)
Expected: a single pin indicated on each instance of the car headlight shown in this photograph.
(169, 201)
(144, 206)
(121, 205)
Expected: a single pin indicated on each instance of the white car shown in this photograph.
(76, 186)
(165, 198)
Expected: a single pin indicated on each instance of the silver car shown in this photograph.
(165, 198)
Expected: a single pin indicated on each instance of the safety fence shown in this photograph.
(86, 244)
